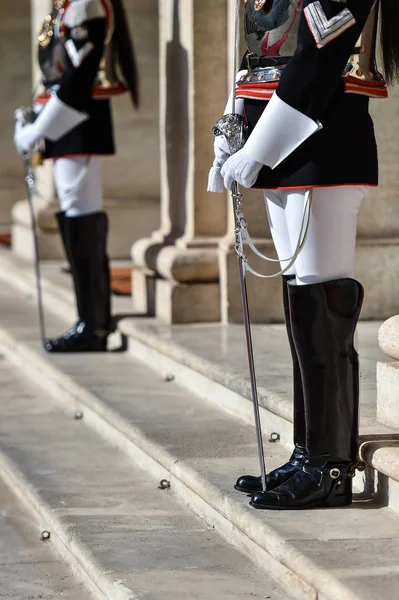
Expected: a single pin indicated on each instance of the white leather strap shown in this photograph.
(301, 242)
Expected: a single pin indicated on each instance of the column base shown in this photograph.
(49, 241)
(187, 302)
(143, 295)
(129, 220)
(388, 393)
(178, 284)
(7, 202)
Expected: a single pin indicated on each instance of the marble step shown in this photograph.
(31, 568)
(200, 449)
(126, 538)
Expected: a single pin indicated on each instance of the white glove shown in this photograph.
(25, 137)
(240, 168)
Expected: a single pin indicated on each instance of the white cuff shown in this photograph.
(239, 102)
(279, 131)
(57, 119)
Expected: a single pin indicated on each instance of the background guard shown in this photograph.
(86, 57)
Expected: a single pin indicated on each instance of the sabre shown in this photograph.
(231, 126)
(25, 115)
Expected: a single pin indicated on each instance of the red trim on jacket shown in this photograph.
(311, 187)
(352, 85)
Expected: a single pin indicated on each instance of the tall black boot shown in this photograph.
(85, 241)
(324, 318)
(250, 484)
(60, 216)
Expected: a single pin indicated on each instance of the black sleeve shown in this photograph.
(327, 35)
(84, 45)
(244, 65)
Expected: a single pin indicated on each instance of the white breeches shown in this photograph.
(78, 184)
(329, 250)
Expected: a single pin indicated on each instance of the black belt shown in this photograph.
(266, 61)
(276, 61)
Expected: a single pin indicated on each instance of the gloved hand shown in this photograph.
(221, 148)
(25, 137)
(240, 168)
(222, 153)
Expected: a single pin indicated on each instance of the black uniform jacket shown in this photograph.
(84, 37)
(344, 151)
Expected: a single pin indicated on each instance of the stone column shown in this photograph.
(176, 270)
(22, 239)
(14, 91)
(377, 264)
(131, 184)
(131, 178)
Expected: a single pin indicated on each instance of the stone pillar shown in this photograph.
(131, 178)
(15, 89)
(377, 264)
(378, 257)
(176, 270)
(131, 184)
(22, 239)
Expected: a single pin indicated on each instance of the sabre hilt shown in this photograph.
(232, 127)
(25, 115)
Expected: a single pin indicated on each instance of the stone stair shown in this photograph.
(29, 568)
(217, 374)
(122, 535)
(185, 417)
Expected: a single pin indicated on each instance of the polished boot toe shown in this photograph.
(80, 338)
(249, 484)
(310, 487)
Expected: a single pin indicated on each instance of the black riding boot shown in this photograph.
(251, 484)
(324, 318)
(85, 242)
